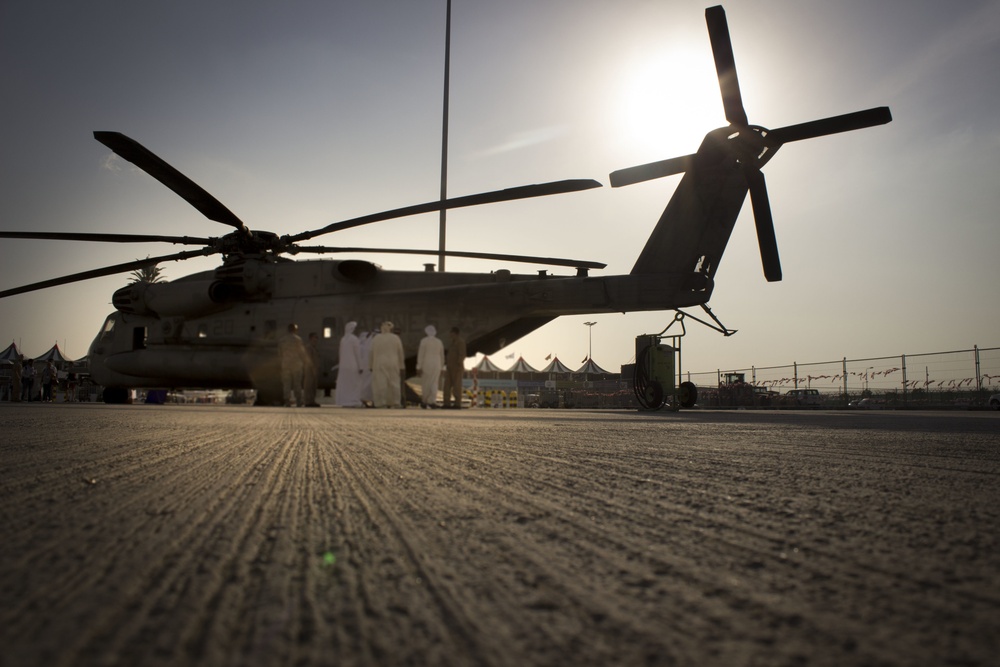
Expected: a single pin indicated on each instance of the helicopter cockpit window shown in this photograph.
(109, 328)
(329, 327)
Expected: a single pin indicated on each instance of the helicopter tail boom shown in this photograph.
(694, 229)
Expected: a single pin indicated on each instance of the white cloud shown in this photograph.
(525, 139)
(111, 162)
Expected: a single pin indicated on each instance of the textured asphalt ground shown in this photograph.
(233, 535)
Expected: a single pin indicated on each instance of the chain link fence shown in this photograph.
(956, 379)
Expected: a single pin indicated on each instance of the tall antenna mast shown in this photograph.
(442, 225)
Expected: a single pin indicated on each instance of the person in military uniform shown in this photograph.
(311, 379)
(454, 368)
(294, 359)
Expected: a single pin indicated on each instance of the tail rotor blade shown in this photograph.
(647, 172)
(725, 65)
(833, 125)
(765, 224)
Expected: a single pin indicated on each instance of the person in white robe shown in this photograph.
(350, 369)
(387, 366)
(430, 361)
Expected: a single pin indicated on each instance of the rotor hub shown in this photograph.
(249, 242)
(750, 145)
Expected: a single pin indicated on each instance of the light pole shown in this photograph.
(443, 216)
(590, 336)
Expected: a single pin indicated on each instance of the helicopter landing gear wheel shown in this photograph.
(116, 395)
(687, 395)
(648, 391)
(653, 393)
(270, 395)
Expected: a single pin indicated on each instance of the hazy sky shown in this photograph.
(298, 114)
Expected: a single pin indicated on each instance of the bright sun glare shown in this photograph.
(670, 101)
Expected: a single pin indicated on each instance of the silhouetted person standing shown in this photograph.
(48, 379)
(311, 379)
(28, 380)
(293, 364)
(17, 383)
(350, 369)
(455, 367)
(430, 361)
(387, 367)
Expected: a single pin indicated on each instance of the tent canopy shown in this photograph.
(54, 355)
(591, 367)
(556, 366)
(488, 366)
(521, 366)
(11, 353)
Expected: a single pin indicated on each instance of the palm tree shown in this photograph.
(151, 273)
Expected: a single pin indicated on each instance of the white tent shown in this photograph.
(591, 367)
(556, 366)
(487, 366)
(55, 355)
(11, 353)
(521, 366)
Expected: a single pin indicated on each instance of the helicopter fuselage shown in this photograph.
(208, 330)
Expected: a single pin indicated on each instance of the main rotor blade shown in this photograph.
(522, 192)
(106, 238)
(647, 172)
(526, 259)
(725, 65)
(764, 223)
(106, 271)
(833, 125)
(191, 192)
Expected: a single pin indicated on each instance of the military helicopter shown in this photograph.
(218, 329)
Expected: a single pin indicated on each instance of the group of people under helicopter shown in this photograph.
(371, 369)
(20, 385)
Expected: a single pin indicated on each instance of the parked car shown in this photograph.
(803, 398)
(995, 402)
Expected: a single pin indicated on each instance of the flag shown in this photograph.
(584, 360)
(510, 356)
(548, 357)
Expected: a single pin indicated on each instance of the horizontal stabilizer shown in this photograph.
(647, 172)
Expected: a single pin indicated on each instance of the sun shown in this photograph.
(670, 100)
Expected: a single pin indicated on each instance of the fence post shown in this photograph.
(979, 378)
(847, 397)
(903, 357)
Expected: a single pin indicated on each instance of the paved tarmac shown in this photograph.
(233, 535)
